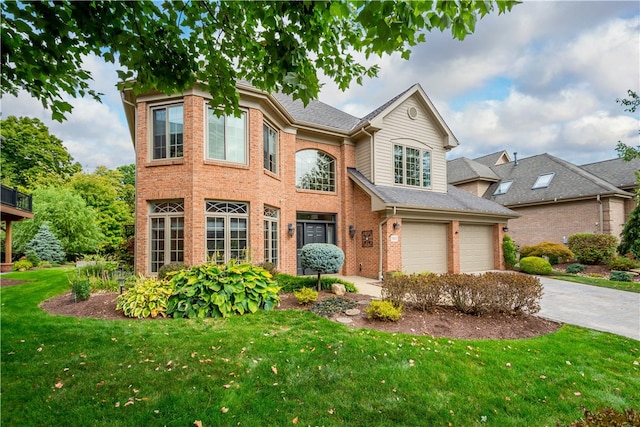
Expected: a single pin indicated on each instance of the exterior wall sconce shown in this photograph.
(505, 229)
(396, 225)
(291, 229)
(352, 231)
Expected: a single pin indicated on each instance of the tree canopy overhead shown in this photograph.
(169, 46)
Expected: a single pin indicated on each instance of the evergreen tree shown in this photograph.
(630, 235)
(46, 246)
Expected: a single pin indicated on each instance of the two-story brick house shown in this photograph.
(283, 175)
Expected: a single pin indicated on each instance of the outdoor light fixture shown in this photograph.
(396, 225)
(505, 229)
(352, 231)
(291, 230)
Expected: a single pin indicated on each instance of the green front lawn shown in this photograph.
(593, 281)
(288, 367)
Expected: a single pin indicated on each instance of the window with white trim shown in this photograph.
(270, 148)
(411, 166)
(503, 188)
(315, 170)
(227, 230)
(166, 234)
(168, 128)
(271, 235)
(543, 181)
(226, 137)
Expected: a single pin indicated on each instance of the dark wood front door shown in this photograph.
(313, 228)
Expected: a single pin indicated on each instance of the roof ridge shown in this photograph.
(585, 174)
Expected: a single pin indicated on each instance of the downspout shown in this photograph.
(135, 146)
(380, 258)
(601, 214)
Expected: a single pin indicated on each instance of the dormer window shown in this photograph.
(543, 181)
(503, 188)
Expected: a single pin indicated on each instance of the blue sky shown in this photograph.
(542, 78)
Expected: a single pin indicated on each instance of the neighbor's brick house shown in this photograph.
(282, 175)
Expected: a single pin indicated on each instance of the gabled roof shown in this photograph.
(317, 113)
(569, 182)
(494, 159)
(453, 201)
(463, 170)
(618, 172)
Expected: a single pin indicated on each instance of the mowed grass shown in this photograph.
(286, 367)
(601, 282)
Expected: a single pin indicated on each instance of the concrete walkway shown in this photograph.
(592, 307)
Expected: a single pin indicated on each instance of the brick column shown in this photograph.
(453, 247)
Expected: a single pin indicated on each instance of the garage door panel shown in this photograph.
(476, 248)
(424, 247)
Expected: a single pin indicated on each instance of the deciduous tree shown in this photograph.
(169, 46)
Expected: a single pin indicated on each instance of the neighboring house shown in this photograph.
(554, 198)
(14, 206)
(283, 175)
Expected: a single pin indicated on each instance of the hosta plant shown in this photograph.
(211, 290)
(148, 297)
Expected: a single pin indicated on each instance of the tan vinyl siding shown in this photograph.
(424, 134)
(363, 157)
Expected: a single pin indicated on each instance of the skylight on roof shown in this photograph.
(543, 181)
(502, 188)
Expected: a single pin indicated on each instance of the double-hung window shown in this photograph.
(227, 230)
(270, 137)
(271, 240)
(411, 166)
(166, 233)
(168, 124)
(227, 137)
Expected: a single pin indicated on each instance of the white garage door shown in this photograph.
(476, 248)
(424, 247)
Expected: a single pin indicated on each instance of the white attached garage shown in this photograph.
(476, 248)
(424, 247)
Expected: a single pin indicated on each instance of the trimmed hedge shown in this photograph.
(551, 250)
(468, 293)
(535, 265)
(592, 248)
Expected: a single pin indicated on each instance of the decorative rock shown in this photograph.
(352, 312)
(364, 302)
(338, 289)
(344, 320)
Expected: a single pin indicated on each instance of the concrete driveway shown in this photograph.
(597, 308)
(593, 307)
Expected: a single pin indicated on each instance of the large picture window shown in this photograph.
(315, 170)
(166, 233)
(226, 137)
(271, 240)
(270, 137)
(168, 124)
(227, 230)
(412, 166)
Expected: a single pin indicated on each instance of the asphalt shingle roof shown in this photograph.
(317, 113)
(463, 169)
(453, 200)
(616, 171)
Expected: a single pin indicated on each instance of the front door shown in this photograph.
(314, 228)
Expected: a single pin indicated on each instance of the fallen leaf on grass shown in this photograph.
(100, 384)
(274, 370)
(577, 393)
(224, 410)
(197, 423)
(59, 385)
(295, 420)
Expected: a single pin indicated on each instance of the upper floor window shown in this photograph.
(270, 137)
(315, 170)
(503, 188)
(543, 181)
(168, 124)
(411, 166)
(227, 138)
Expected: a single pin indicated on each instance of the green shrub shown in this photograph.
(22, 265)
(322, 258)
(32, 257)
(148, 297)
(289, 283)
(592, 248)
(535, 265)
(306, 296)
(510, 252)
(620, 276)
(384, 310)
(622, 263)
(45, 264)
(45, 246)
(172, 267)
(211, 290)
(80, 288)
(331, 306)
(100, 273)
(608, 417)
(553, 251)
(270, 267)
(575, 268)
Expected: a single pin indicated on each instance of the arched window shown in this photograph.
(315, 170)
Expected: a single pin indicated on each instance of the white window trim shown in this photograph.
(277, 152)
(404, 166)
(245, 112)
